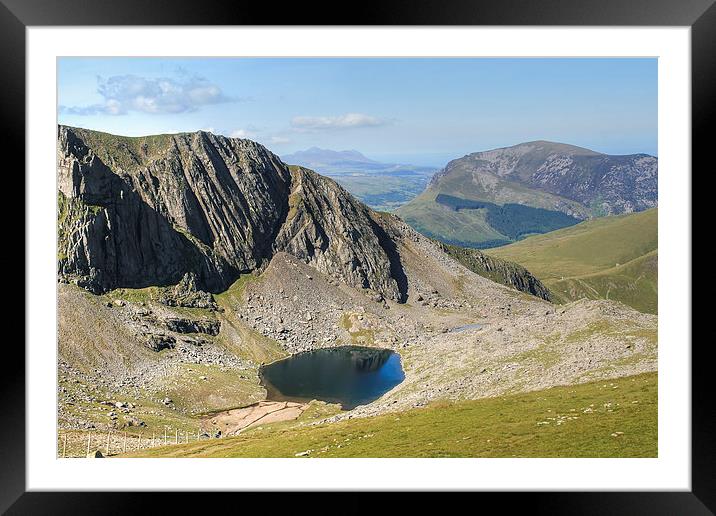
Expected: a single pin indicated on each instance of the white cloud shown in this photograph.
(279, 139)
(347, 121)
(125, 93)
(243, 133)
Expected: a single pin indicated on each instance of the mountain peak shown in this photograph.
(544, 147)
(528, 188)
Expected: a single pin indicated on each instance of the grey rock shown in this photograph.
(196, 210)
(182, 325)
(499, 270)
(158, 342)
(609, 184)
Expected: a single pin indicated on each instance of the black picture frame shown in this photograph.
(700, 15)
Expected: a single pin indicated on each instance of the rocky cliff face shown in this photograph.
(155, 208)
(145, 211)
(328, 229)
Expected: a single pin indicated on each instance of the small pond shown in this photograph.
(349, 375)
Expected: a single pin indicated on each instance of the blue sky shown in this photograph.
(419, 111)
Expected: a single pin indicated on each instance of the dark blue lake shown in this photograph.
(349, 375)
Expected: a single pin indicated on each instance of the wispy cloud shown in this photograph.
(347, 121)
(279, 140)
(243, 133)
(125, 93)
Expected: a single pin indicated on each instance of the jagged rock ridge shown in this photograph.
(135, 212)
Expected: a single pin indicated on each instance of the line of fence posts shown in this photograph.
(135, 441)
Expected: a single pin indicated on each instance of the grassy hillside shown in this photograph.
(456, 218)
(534, 187)
(467, 228)
(611, 257)
(608, 418)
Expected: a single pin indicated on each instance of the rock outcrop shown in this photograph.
(498, 270)
(186, 294)
(185, 325)
(135, 212)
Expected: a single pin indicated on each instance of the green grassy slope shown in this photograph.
(608, 418)
(125, 152)
(461, 182)
(468, 228)
(611, 257)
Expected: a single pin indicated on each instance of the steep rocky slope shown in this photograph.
(494, 197)
(135, 212)
(144, 211)
(327, 228)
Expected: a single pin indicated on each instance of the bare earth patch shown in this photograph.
(233, 422)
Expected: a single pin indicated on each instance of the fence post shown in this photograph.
(89, 441)
(176, 436)
(124, 445)
(64, 447)
(165, 435)
(108, 443)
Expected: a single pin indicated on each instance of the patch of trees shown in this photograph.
(512, 220)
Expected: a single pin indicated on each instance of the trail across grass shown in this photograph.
(612, 418)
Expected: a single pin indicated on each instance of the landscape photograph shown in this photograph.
(357, 257)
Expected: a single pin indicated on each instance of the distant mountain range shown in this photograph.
(332, 163)
(316, 157)
(382, 186)
(499, 196)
